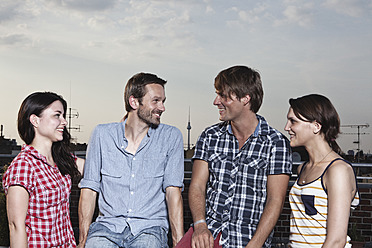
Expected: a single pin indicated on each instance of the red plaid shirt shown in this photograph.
(48, 218)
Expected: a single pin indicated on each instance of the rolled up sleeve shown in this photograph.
(174, 170)
(93, 163)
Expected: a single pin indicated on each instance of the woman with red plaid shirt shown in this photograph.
(38, 181)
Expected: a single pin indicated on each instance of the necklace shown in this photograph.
(304, 181)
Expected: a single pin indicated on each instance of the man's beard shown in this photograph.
(145, 115)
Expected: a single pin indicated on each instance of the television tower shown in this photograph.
(188, 132)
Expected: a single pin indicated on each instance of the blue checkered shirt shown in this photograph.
(236, 189)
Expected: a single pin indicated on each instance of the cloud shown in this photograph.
(99, 22)
(353, 8)
(9, 10)
(209, 9)
(15, 10)
(14, 39)
(300, 15)
(94, 44)
(85, 5)
(154, 22)
(253, 15)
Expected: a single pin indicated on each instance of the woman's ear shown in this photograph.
(34, 119)
(317, 127)
(133, 102)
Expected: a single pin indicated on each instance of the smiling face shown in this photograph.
(230, 108)
(51, 122)
(152, 105)
(301, 132)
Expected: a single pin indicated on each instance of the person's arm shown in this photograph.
(175, 211)
(80, 165)
(341, 187)
(17, 205)
(201, 237)
(87, 204)
(90, 183)
(276, 190)
(173, 182)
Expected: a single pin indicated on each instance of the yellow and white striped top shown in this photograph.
(308, 221)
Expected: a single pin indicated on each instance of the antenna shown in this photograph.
(358, 126)
(188, 132)
(71, 115)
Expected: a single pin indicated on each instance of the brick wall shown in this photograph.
(361, 216)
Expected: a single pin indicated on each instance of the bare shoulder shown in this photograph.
(340, 167)
(340, 172)
(340, 181)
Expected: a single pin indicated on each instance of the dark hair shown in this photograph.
(241, 81)
(36, 103)
(319, 108)
(136, 87)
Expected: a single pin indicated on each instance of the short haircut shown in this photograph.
(136, 87)
(241, 81)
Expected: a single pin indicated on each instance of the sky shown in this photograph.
(86, 50)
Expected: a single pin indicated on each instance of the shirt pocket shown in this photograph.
(110, 166)
(109, 171)
(154, 166)
(218, 163)
(308, 201)
(253, 172)
(51, 194)
(256, 163)
(253, 168)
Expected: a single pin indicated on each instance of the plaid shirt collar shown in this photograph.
(34, 153)
(261, 131)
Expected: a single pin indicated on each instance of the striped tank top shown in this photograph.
(308, 220)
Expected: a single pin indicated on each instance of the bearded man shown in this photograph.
(136, 167)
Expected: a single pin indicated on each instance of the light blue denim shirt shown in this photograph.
(132, 187)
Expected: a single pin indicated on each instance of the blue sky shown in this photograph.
(86, 50)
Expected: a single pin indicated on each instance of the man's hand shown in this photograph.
(202, 237)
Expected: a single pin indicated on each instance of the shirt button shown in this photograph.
(134, 158)
(131, 192)
(226, 211)
(129, 210)
(132, 175)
